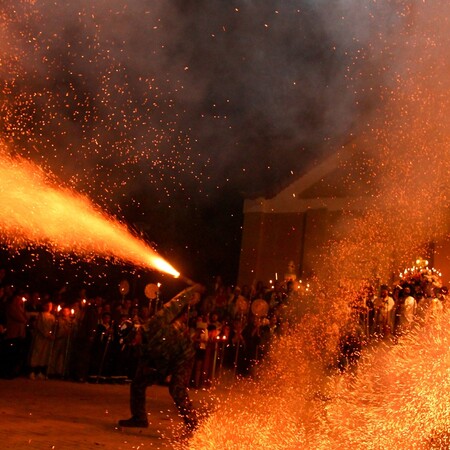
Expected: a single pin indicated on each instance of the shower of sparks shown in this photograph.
(35, 210)
(80, 87)
(397, 398)
(74, 100)
(398, 188)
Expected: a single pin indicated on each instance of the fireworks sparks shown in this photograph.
(35, 210)
(85, 88)
(399, 395)
(76, 101)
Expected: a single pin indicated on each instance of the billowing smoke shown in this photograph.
(181, 94)
(184, 105)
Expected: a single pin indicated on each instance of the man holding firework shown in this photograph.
(167, 349)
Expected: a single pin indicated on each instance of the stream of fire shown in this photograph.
(36, 210)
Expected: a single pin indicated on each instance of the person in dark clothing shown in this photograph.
(101, 354)
(83, 342)
(350, 347)
(252, 338)
(13, 359)
(167, 349)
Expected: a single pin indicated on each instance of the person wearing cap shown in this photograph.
(167, 349)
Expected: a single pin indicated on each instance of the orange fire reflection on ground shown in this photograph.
(34, 209)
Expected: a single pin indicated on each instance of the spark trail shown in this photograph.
(36, 210)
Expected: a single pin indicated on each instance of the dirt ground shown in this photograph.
(51, 414)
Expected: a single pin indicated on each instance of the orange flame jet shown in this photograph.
(34, 209)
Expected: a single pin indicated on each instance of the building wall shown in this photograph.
(441, 259)
(271, 240)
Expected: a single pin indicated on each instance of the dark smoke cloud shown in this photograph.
(154, 103)
(252, 85)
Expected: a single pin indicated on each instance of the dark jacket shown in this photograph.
(166, 343)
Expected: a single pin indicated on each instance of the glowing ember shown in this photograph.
(34, 209)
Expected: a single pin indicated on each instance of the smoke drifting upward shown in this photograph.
(187, 96)
(406, 151)
(185, 105)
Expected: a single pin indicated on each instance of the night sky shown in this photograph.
(169, 113)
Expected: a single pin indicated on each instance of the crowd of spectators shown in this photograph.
(94, 339)
(91, 338)
(390, 312)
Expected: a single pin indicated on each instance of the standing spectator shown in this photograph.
(214, 325)
(16, 322)
(212, 349)
(275, 297)
(84, 332)
(385, 311)
(398, 300)
(252, 339)
(239, 305)
(200, 342)
(43, 339)
(126, 308)
(124, 347)
(234, 349)
(57, 363)
(407, 310)
(134, 314)
(221, 301)
(436, 306)
(421, 302)
(270, 330)
(350, 346)
(131, 342)
(33, 307)
(101, 350)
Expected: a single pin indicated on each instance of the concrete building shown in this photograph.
(295, 226)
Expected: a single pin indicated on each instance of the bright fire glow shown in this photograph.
(35, 210)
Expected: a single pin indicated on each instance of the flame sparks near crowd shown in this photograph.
(35, 210)
(399, 395)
